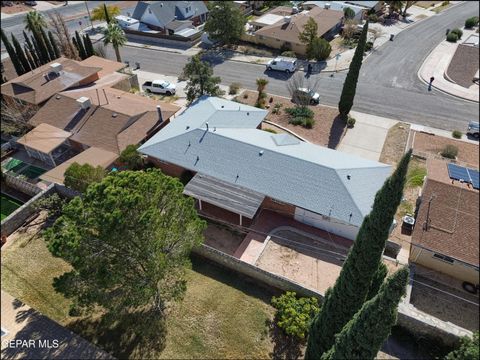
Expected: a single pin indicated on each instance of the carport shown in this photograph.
(239, 200)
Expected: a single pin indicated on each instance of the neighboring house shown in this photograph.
(368, 5)
(335, 5)
(445, 238)
(39, 85)
(237, 169)
(103, 121)
(278, 31)
(170, 17)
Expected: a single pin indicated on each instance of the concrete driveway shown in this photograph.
(367, 137)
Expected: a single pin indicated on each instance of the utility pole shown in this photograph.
(88, 12)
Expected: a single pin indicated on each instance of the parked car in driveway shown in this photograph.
(289, 65)
(473, 128)
(159, 87)
(306, 96)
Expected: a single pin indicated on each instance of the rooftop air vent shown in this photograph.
(114, 115)
(287, 19)
(327, 6)
(348, 177)
(84, 102)
(57, 97)
(56, 68)
(260, 153)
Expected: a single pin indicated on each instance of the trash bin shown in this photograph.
(392, 36)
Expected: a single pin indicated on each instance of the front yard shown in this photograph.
(222, 314)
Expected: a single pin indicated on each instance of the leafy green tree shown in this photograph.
(79, 44)
(408, 4)
(116, 36)
(319, 49)
(20, 54)
(468, 350)
(377, 280)
(128, 240)
(363, 336)
(348, 13)
(200, 79)
(34, 20)
(294, 315)
(105, 12)
(131, 157)
(13, 56)
(54, 44)
(351, 288)
(394, 6)
(225, 22)
(79, 177)
(308, 36)
(87, 44)
(350, 85)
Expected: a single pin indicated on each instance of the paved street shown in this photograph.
(388, 85)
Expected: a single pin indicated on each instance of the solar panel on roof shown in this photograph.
(474, 178)
(458, 172)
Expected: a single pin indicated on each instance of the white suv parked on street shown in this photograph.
(289, 65)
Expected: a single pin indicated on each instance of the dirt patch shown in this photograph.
(16, 8)
(223, 238)
(337, 47)
(431, 146)
(328, 130)
(427, 4)
(395, 144)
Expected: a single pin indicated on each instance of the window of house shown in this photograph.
(443, 258)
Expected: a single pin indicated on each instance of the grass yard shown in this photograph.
(221, 316)
(8, 206)
(395, 144)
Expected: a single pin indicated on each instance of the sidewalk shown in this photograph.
(436, 64)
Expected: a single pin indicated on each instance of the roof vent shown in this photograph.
(159, 112)
(260, 153)
(206, 124)
(188, 127)
(114, 114)
(223, 106)
(327, 6)
(57, 97)
(287, 19)
(119, 97)
(84, 102)
(348, 177)
(248, 113)
(56, 68)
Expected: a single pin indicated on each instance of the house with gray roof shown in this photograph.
(170, 17)
(237, 168)
(335, 5)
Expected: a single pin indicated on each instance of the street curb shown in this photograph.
(146, 47)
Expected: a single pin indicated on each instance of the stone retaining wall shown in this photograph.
(21, 185)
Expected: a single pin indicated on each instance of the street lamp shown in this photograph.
(88, 11)
(336, 61)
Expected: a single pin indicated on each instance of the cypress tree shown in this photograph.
(81, 49)
(41, 47)
(30, 59)
(363, 336)
(46, 40)
(74, 41)
(350, 85)
(20, 54)
(31, 50)
(37, 51)
(13, 56)
(377, 280)
(348, 294)
(55, 48)
(107, 16)
(88, 45)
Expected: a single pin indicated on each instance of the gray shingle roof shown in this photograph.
(167, 11)
(312, 177)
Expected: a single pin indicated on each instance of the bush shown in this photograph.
(445, 3)
(468, 349)
(245, 96)
(300, 111)
(415, 176)
(452, 37)
(450, 152)
(319, 49)
(276, 109)
(458, 32)
(368, 46)
(471, 22)
(294, 315)
(233, 88)
(289, 53)
(457, 134)
(131, 158)
(351, 122)
(308, 123)
(373, 18)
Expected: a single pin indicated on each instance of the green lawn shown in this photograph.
(8, 206)
(221, 316)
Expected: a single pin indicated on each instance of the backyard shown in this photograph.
(203, 325)
(8, 205)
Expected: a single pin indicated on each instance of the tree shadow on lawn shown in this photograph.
(336, 132)
(245, 284)
(141, 333)
(284, 346)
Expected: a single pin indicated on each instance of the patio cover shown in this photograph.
(230, 197)
(93, 156)
(44, 138)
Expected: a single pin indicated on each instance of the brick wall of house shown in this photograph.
(167, 168)
(282, 208)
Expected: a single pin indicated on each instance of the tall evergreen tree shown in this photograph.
(348, 294)
(46, 40)
(31, 50)
(30, 59)
(364, 335)
(54, 44)
(87, 42)
(42, 48)
(377, 280)
(20, 54)
(350, 85)
(38, 51)
(81, 49)
(13, 56)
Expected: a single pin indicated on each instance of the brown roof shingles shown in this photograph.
(454, 221)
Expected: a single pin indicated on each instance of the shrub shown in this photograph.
(300, 111)
(233, 88)
(445, 3)
(368, 46)
(450, 152)
(294, 315)
(457, 134)
(458, 32)
(471, 22)
(351, 122)
(297, 120)
(308, 123)
(468, 350)
(415, 176)
(270, 131)
(131, 158)
(373, 18)
(276, 109)
(452, 37)
(289, 53)
(245, 96)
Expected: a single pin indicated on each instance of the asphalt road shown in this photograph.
(388, 84)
